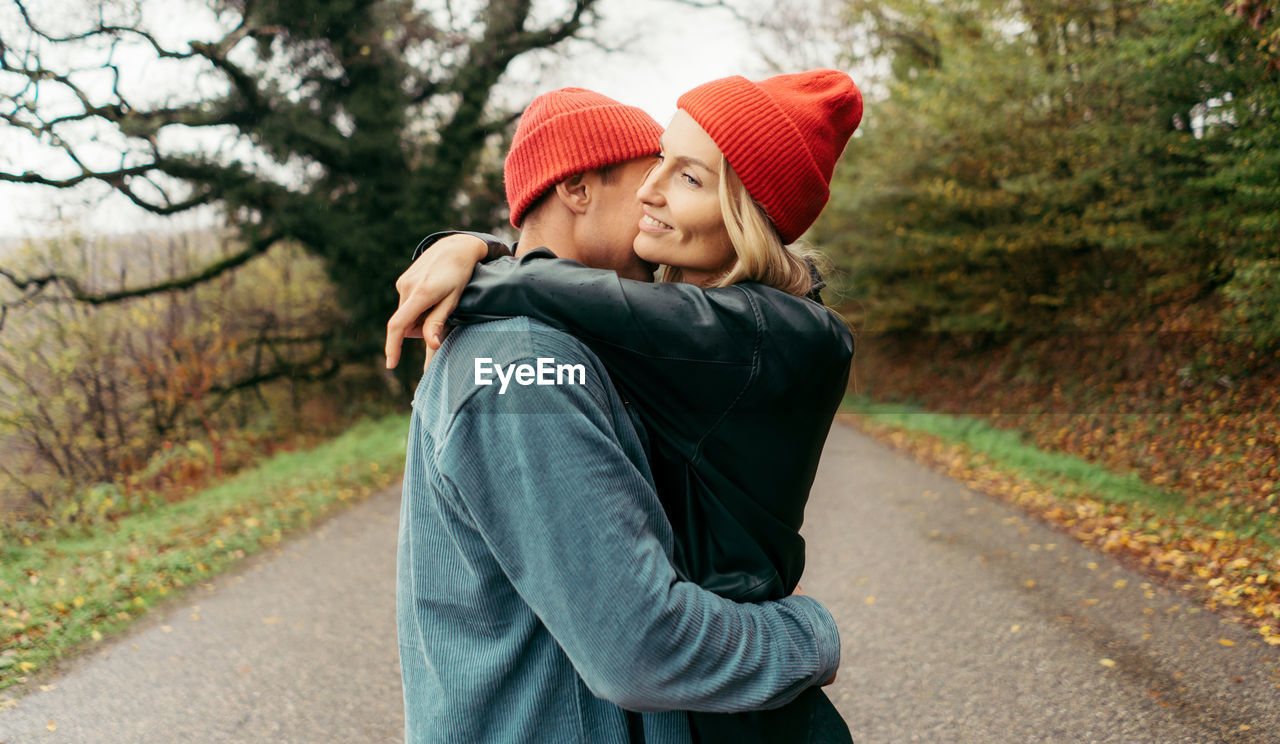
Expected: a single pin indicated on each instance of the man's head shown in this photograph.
(572, 173)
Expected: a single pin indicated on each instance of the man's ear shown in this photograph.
(573, 193)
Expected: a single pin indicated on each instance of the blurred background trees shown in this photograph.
(327, 136)
(150, 396)
(1056, 166)
(347, 127)
(1074, 208)
(1026, 171)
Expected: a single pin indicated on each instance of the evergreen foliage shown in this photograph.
(1047, 165)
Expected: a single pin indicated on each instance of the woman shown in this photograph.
(734, 372)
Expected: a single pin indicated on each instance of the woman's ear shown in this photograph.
(573, 193)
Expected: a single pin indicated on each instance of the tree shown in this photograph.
(1040, 164)
(350, 127)
(90, 394)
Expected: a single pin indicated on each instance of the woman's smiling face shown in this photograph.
(682, 224)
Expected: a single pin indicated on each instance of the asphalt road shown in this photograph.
(962, 621)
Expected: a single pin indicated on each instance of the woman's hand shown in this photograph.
(429, 292)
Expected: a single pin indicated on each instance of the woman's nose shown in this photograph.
(648, 191)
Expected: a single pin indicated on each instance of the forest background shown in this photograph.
(1058, 218)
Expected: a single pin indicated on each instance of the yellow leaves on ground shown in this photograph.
(1108, 663)
(1226, 642)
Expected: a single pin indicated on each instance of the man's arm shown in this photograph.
(575, 526)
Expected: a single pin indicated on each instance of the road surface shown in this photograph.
(961, 619)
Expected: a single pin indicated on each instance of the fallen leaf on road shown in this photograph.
(270, 620)
(1226, 642)
(1108, 663)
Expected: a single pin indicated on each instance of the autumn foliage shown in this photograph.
(108, 406)
(1226, 569)
(1062, 218)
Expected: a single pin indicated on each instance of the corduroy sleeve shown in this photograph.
(571, 520)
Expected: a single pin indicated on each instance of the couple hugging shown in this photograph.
(612, 555)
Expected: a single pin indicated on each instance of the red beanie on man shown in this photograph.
(571, 131)
(783, 136)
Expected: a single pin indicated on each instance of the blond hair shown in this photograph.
(760, 254)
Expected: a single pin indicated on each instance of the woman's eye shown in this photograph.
(689, 179)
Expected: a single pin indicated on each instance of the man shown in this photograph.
(535, 593)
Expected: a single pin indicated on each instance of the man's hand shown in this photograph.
(429, 292)
(798, 593)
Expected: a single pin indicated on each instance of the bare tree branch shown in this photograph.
(321, 367)
(78, 293)
(718, 5)
(324, 140)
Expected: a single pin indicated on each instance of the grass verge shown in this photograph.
(60, 594)
(1231, 561)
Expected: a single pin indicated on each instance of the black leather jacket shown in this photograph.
(736, 386)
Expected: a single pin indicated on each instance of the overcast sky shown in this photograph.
(669, 52)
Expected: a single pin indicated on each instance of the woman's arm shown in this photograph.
(668, 344)
(659, 320)
(681, 353)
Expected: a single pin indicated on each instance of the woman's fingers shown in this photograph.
(433, 325)
(434, 328)
(419, 294)
(406, 322)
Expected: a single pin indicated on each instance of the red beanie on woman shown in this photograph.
(571, 131)
(782, 136)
